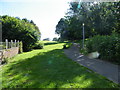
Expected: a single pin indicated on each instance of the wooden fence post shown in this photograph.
(6, 42)
(15, 43)
(18, 43)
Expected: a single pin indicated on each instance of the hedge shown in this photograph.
(38, 45)
(107, 46)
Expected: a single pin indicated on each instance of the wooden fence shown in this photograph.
(7, 45)
(8, 49)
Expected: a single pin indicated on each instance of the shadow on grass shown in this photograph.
(50, 43)
(50, 70)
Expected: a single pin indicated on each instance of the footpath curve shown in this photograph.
(108, 70)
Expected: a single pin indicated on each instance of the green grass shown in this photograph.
(67, 45)
(49, 42)
(49, 68)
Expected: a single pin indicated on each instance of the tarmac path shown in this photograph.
(109, 70)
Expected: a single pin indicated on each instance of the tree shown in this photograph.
(32, 22)
(46, 39)
(99, 19)
(61, 28)
(55, 39)
(13, 28)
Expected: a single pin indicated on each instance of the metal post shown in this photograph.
(83, 35)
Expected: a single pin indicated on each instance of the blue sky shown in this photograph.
(45, 13)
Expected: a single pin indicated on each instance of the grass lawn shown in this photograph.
(49, 68)
(49, 42)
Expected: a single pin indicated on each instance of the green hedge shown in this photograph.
(20, 47)
(67, 45)
(107, 46)
(38, 45)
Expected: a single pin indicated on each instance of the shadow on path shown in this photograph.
(110, 71)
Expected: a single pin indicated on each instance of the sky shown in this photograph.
(44, 13)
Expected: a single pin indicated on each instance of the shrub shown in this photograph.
(4, 61)
(20, 47)
(23, 30)
(67, 45)
(83, 51)
(107, 46)
(38, 45)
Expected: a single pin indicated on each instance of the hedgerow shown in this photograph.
(107, 46)
(38, 45)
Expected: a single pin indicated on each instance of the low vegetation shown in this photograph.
(107, 46)
(49, 68)
(67, 45)
(20, 47)
(38, 45)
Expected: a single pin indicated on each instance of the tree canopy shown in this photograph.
(20, 29)
(101, 18)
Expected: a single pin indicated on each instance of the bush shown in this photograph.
(38, 45)
(107, 46)
(20, 47)
(23, 30)
(4, 61)
(83, 51)
(67, 45)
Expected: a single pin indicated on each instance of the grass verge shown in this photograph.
(49, 68)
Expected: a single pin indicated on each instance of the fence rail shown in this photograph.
(7, 45)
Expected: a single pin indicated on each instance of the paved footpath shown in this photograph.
(110, 71)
